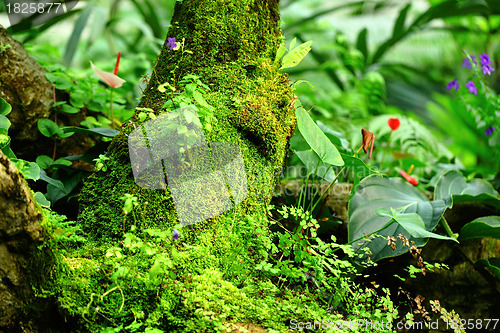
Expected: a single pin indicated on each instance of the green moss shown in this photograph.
(231, 44)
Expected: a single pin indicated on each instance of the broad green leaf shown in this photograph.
(30, 170)
(292, 43)
(188, 115)
(47, 127)
(413, 223)
(106, 132)
(60, 80)
(62, 186)
(8, 151)
(493, 264)
(5, 107)
(44, 161)
(69, 109)
(295, 56)
(453, 183)
(358, 169)
(62, 161)
(4, 122)
(54, 182)
(198, 97)
(482, 227)
(316, 139)
(310, 159)
(281, 51)
(58, 103)
(42, 200)
(142, 116)
(376, 192)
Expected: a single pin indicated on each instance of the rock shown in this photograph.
(23, 260)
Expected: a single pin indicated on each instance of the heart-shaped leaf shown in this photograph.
(482, 227)
(47, 127)
(453, 183)
(44, 161)
(375, 192)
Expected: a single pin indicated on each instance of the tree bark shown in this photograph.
(24, 262)
(232, 45)
(24, 86)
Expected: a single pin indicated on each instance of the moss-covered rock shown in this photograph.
(28, 265)
(230, 45)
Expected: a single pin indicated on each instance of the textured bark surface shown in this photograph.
(20, 235)
(24, 86)
(232, 47)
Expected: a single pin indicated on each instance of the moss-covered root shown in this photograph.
(230, 45)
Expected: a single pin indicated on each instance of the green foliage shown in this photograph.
(453, 183)
(238, 270)
(493, 264)
(482, 227)
(374, 193)
(67, 234)
(100, 163)
(192, 93)
(294, 55)
(412, 142)
(317, 140)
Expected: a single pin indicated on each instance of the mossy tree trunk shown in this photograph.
(231, 46)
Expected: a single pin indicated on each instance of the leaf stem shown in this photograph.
(386, 147)
(446, 227)
(111, 108)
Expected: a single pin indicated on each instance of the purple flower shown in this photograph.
(453, 85)
(175, 235)
(487, 69)
(489, 131)
(485, 59)
(472, 88)
(466, 62)
(171, 43)
(486, 64)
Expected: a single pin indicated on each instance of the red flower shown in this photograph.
(394, 123)
(117, 63)
(409, 178)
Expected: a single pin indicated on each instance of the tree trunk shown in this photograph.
(25, 262)
(231, 46)
(24, 86)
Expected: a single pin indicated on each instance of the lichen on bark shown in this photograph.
(232, 47)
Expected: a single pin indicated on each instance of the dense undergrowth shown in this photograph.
(125, 264)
